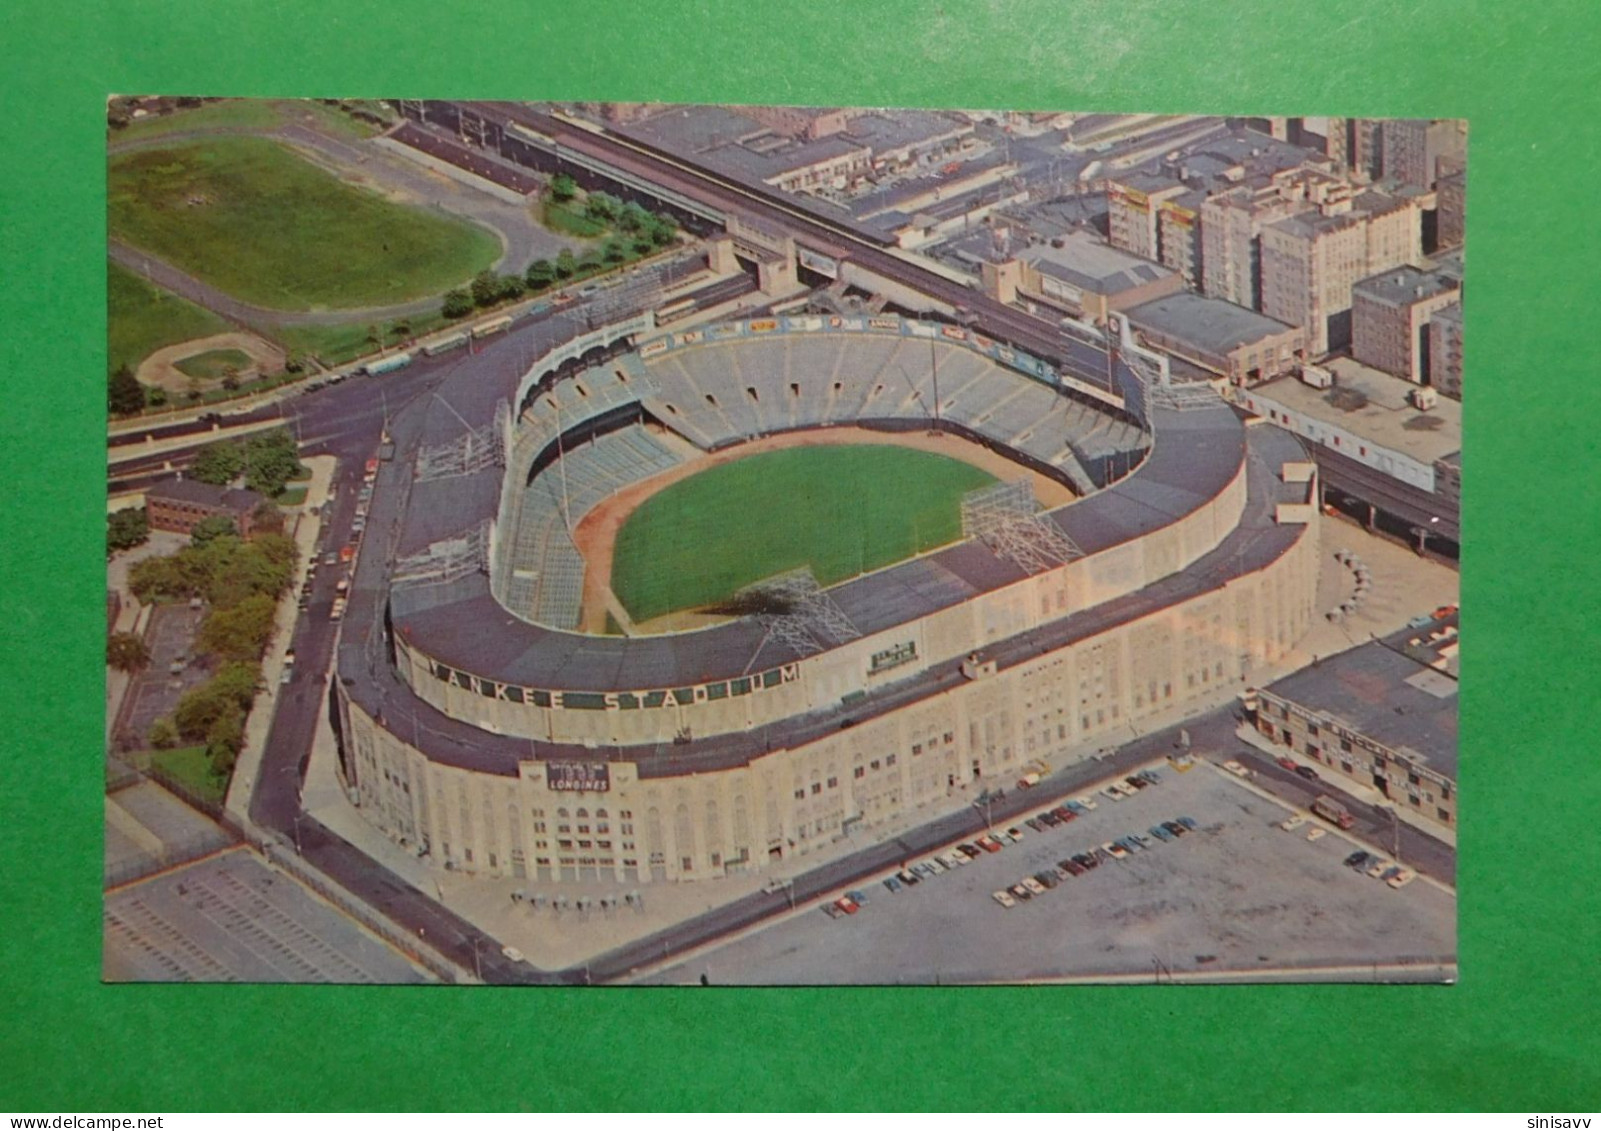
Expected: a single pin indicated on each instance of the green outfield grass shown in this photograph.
(213, 364)
(250, 217)
(141, 318)
(842, 510)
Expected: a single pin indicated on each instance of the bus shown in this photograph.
(387, 365)
(443, 345)
(1333, 812)
(493, 326)
(673, 311)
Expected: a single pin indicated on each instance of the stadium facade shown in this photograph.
(479, 726)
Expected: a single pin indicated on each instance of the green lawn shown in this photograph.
(843, 510)
(335, 345)
(253, 219)
(142, 318)
(291, 497)
(564, 220)
(213, 364)
(190, 766)
(238, 113)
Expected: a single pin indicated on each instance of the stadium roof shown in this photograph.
(373, 684)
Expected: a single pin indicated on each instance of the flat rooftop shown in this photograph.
(1403, 286)
(1387, 417)
(1211, 324)
(1384, 690)
(1085, 262)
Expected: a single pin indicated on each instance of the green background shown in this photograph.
(1520, 1030)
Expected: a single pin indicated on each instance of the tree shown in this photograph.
(458, 304)
(562, 187)
(632, 218)
(293, 362)
(192, 389)
(199, 708)
(374, 338)
(126, 652)
(230, 377)
(271, 460)
(217, 463)
(157, 396)
(224, 739)
(127, 528)
(239, 682)
(212, 527)
(266, 519)
(163, 734)
(614, 252)
(240, 632)
(511, 287)
(485, 288)
(124, 394)
(602, 207)
(541, 273)
(400, 330)
(663, 230)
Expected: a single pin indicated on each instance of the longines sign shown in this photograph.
(577, 777)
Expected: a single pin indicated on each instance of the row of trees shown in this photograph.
(126, 529)
(639, 233)
(267, 460)
(241, 583)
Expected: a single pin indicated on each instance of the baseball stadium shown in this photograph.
(643, 603)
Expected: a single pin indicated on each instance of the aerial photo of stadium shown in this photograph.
(778, 567)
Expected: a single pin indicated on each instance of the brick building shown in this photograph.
(1390, 317)
(178, 505)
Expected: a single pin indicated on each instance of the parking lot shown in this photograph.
(156, 689)
(1237, 896)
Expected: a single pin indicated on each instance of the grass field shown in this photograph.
(335, 345)
(142, 318)
(841, 510)
(213, 364)
(190, 766)
(251, 218)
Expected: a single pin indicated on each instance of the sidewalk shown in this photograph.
(306, 525)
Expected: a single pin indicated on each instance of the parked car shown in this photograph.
(1033, 885)
(857, 897)
(971, 851)
(908, 877)
(988, 844)
(1065, 814)
(929, 868)
(1292, 822)
(833, 910)
(1049, 878)
(1379, 866)
(1188, 823)
(1074, 808)
(1160, 833)
(1004, 898)
(1028, 780)
(1002, 837)
(1357, 859)
(848, 905)
(1135, 782)
(1307, 772)
(1113, 792)
(1402, 878)
(1139, 840)
(1087, 801)
(1151, 776)
(1015, 833)
(1020, 892)
(954, 859)
(1036, 824)
(1114, 850)
(1072, 867)
(893, 883)
(1316, 832)
(1175, 828)
(1050, 818)
(1086, 860)
(1288, 764)
(1236, 769)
